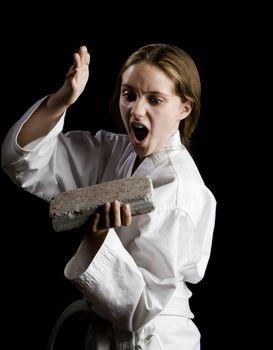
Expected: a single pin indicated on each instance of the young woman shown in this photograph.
(132, 271)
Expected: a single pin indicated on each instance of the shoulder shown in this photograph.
(194, 197)
(181, 185)
(101, 137)
(111, 137)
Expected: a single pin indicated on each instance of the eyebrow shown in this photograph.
(155, 92)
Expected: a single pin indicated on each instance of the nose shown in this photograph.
(138, 107)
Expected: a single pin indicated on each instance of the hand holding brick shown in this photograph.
(71, 209)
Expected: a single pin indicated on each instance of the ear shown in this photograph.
(185, 110)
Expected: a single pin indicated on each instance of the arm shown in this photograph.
(53, 161)
(129, 286)
(52, 108)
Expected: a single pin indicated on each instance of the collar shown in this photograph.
(153, 160)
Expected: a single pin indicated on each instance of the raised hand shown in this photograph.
(76, 79)
(41, 121)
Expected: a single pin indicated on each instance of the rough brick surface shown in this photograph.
(71, 209)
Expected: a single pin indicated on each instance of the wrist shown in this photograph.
(94, 240)
(56, 104)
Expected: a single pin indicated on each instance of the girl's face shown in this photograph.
(150, 108)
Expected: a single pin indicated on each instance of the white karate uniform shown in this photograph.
(137, 279)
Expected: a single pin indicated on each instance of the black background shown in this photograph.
(37, 52)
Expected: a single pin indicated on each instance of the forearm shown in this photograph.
(50, 111)
(42, 120)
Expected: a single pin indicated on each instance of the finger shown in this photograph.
(95, 222)
(75, 67)
(86, 59)
(126, 216)
(84, 55)
(77, 60)
(105, 218)
(115, 214)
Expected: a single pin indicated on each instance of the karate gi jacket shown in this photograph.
(137, 280)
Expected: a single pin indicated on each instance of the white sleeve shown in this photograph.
(200, 240)
(11, 151)
(54, 163)
(131, 286)
(111, 281)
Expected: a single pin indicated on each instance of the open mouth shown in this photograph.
(140, 131)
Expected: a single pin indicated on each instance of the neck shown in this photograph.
(137, 163)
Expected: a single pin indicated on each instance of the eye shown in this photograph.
(154, 100)
(128, 95)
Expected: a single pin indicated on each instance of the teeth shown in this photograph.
(139, 126)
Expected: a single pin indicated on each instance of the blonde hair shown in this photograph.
(180, 68)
